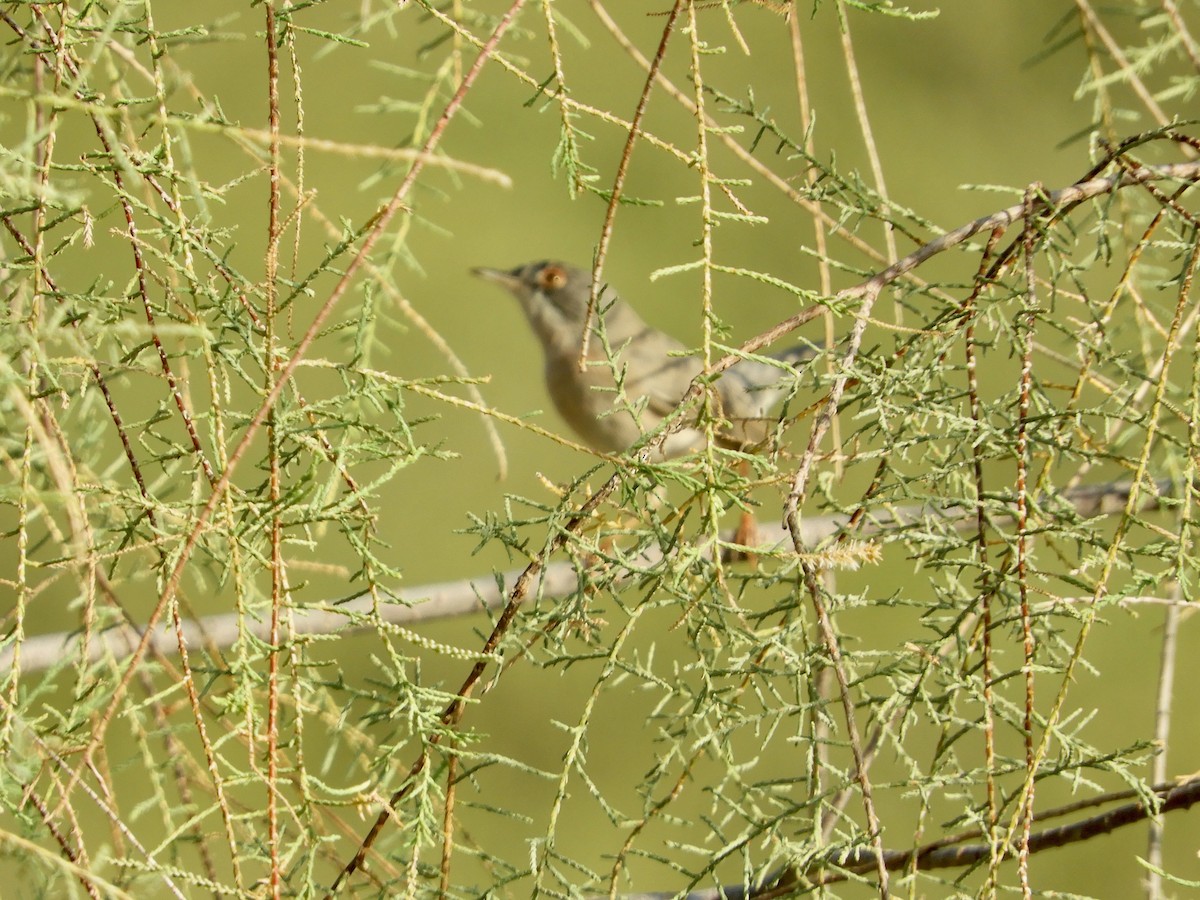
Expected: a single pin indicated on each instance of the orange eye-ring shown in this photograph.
(551, 278)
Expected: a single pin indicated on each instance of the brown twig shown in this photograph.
(274, 481)
(952, 852)
(619, 182)
(454, 711)
(943, 854)
(375, 228)
(1031, 238)
(448, 819)
(833, 648)
(987, 585)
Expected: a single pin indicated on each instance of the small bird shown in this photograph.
(615, 401)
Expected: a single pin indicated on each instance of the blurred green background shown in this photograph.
(965, 97)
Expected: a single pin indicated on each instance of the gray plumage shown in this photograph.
(554, 297)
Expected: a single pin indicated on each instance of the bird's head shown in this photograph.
(554, 296)
(549, 289)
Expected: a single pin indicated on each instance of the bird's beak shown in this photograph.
(499, 276)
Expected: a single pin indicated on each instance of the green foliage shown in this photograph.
(230, 399)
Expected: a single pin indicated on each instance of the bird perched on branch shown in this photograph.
(635, 375)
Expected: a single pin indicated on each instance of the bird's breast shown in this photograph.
(588, 402)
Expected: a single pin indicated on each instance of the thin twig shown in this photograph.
(375, 228)
(454, 711)
(1030, 239)
(619, 183)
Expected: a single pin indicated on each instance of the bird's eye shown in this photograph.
(551, 278)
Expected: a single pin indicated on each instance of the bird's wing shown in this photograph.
(751, 387)
(747, 390)
(651, 371)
